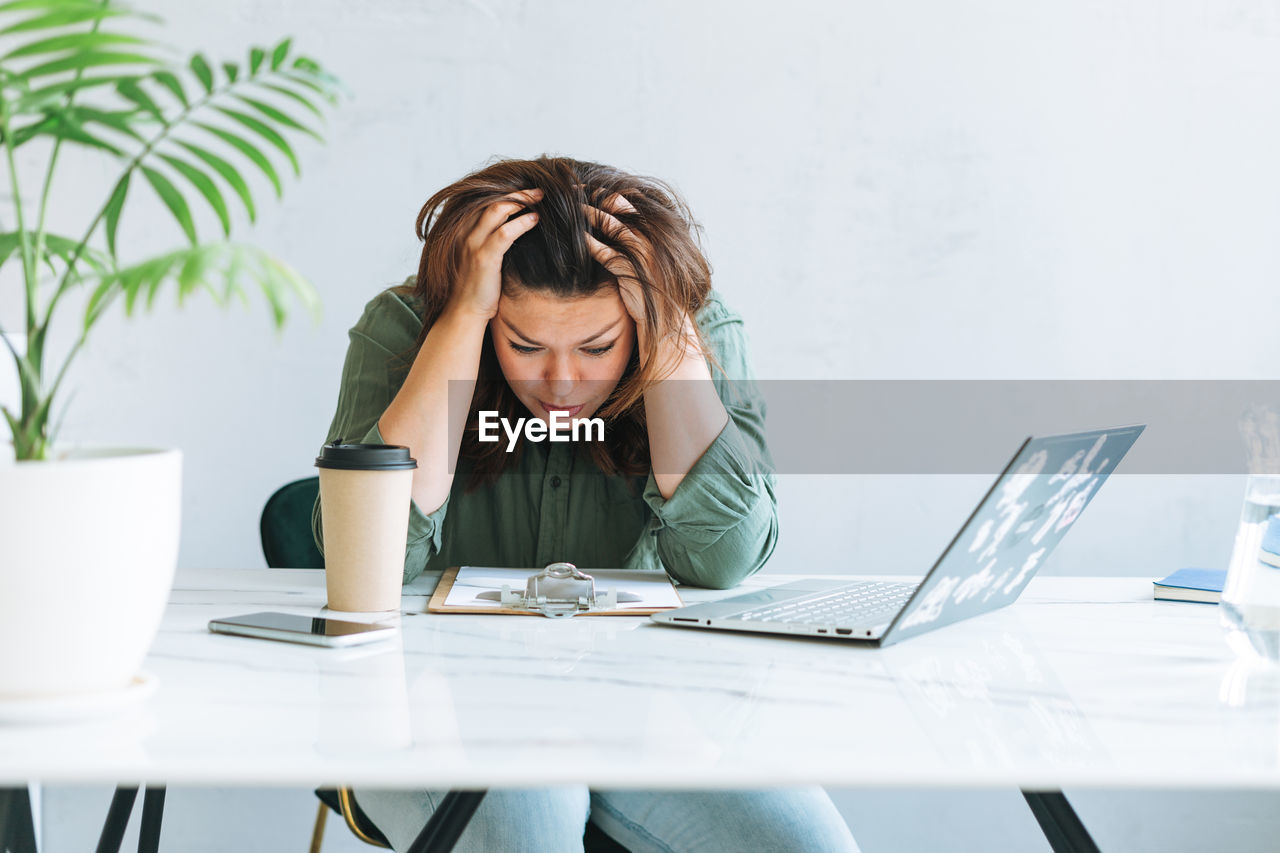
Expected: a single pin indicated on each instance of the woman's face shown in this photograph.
(562, 353)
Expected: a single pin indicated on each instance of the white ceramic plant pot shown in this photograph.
(88, 546)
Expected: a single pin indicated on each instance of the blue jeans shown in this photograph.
(793, 820)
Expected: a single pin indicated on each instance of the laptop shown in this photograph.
(1007, 538)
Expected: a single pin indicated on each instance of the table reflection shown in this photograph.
(992, 702)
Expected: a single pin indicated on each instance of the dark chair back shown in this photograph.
(286, 527)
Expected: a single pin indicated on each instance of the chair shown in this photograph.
(287, 543)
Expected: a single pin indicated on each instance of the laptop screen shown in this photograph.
(1026, 513)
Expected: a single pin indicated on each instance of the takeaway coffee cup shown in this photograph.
(365, 491)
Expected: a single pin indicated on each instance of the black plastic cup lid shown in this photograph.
(365, 457)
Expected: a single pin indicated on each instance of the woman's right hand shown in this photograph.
(479, 283)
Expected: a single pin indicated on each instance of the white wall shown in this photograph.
(919, 189)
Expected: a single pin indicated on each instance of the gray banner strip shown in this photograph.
(974, 426)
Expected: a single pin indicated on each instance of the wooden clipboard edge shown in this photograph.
(443, 587)
(436, 604)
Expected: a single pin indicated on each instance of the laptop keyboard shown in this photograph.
(846, 606)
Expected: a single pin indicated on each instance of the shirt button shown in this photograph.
(555, 482)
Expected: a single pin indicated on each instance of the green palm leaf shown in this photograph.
(112, 211)
(173, 200)
(25, 5)
(9, 244)
(206, 187)
(56, 246)
(280, 53)
(39, 99)
(228, 173)
(311, 82)
(66, 248)
(290, 93)
(310, 68)
(121, 121)
(67, 125)
(278, 278)
(278, 116)
(200, 67)
(131, 91)
(266, 132)
(71, 41)
(170, 81)
(193, 272)
(73, 13)
(77, 134)
(81, 61)
(247, 149)
(225, 271)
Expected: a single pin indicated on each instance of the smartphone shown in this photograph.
(293, 628)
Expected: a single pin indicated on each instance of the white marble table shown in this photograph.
(1084, 682)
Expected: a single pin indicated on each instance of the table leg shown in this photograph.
(1059, 822)
(152, 814)
(17, 831)
(117, 820)
(448, 822)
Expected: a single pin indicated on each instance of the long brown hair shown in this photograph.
(554, 257)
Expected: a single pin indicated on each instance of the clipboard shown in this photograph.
(605, 578)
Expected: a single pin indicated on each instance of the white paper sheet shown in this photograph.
(653, 587)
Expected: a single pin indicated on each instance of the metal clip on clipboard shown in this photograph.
(559, 591)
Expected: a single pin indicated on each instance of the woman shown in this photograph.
(561, 290)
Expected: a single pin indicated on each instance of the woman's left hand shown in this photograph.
(615, 262)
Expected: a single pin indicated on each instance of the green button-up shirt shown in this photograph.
(719, 526)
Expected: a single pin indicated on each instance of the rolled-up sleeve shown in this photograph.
(375, 367)
(721, 523)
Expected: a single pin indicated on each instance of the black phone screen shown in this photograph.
(292, 622)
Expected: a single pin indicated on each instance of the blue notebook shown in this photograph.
(1192, 585)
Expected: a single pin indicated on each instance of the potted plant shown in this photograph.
(89, 538)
